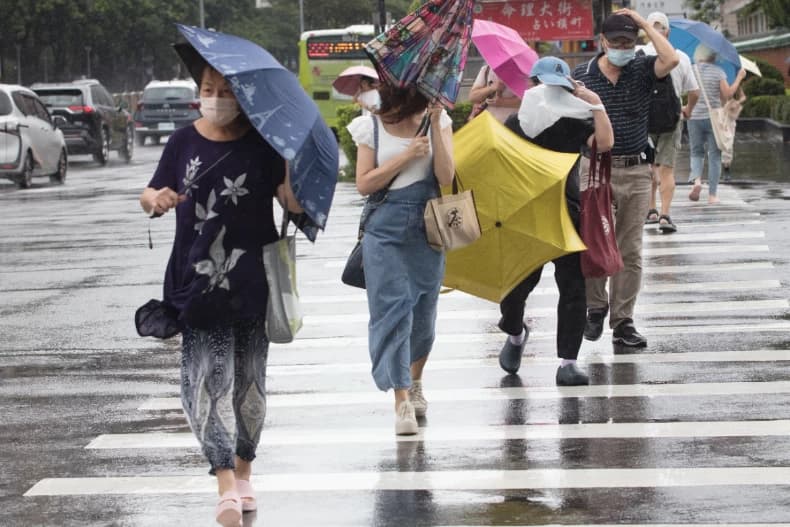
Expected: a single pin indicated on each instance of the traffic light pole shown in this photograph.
(382, 17)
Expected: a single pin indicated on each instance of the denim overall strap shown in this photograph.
(376, 197)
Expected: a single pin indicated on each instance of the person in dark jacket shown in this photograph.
(561, 115)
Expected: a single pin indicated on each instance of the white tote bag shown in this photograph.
(723, 129)
(283, 311)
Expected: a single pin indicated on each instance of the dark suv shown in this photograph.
(164, 107)
(94, 123)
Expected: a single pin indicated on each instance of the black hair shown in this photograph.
(399, 103)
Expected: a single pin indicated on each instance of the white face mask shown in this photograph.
(219, 110)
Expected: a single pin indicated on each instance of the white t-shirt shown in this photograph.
(501, 113)
(369, 99)
(361, 130)
(683, 78)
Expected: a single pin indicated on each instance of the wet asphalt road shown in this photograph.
(692, 430)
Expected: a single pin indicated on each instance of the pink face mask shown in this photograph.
(220, 111)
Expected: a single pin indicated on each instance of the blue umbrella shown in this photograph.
(686, 35)
(279, 109)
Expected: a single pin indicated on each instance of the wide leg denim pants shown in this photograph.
(403, 276)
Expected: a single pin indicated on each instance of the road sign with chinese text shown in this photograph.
(542, 19)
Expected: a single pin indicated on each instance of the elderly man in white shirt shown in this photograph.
(667, 144)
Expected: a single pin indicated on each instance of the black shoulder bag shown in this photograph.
(354, 273)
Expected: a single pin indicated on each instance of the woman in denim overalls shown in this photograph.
(403, 274)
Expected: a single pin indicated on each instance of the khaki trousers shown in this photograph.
(631, 200)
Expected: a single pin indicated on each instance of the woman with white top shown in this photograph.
(368, 96)
(400, 172)
(715, 90)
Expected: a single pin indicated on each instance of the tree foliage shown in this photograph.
(128, 42)
(704, 10)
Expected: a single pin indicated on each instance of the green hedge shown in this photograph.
(776, 107)
(767, 69)
(763, 86)
(345, 114)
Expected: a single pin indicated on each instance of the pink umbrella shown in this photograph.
(506, 52)
(347, 82)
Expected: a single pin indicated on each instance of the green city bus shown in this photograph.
(323, 55)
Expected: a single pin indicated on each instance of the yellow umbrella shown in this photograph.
(750, 66)
(519, 191)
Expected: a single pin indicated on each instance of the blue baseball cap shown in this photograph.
(552, 71)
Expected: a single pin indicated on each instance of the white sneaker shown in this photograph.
(418, 399)
(405, 420)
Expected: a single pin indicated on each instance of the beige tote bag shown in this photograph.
(451, 221)
(723, 129)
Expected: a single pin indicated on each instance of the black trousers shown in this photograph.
(571, 308)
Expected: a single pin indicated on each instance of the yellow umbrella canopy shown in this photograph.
(519, 191)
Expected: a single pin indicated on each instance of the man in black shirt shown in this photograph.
(624, 81)
(562, 116)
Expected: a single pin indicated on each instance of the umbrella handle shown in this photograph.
(425, 124)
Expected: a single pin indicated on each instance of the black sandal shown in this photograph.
(652, 217)
(668, 227)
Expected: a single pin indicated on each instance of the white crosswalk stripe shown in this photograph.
(446, 479)
(465, 433)
(524, 394)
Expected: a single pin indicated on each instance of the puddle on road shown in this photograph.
(756, 159)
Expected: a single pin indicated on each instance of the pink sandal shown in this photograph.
(247, 494)
(229, 509)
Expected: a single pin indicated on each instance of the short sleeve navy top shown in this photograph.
(215, 274)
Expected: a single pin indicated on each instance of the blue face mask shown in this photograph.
(620, 57)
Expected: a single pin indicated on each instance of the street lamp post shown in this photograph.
(19, 64)
(202, 15)
(88, 59)
(382, 17)
(301, 17)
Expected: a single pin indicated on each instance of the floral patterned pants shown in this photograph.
(223, 389)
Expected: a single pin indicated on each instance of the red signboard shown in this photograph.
(542, 19)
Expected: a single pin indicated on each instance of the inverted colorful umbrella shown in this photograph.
(348, 81)
(686, 35)
(426, 49)
(279, 109)
(505, 52)
(519, 192)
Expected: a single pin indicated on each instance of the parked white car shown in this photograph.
(30, 142)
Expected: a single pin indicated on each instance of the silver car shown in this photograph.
(30, 142)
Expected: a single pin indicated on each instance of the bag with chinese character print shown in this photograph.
(602, 257)
(451, 221)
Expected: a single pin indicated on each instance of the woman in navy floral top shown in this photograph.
(221, 178)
